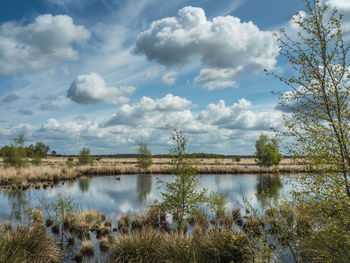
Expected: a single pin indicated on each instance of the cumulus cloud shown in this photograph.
(147, 110)
(218, 128)
(171, 109)
(238, 116)
(41, 44)
(217, 78)
(12, 97)
(92, 89)
(169, 78)
(221, 43)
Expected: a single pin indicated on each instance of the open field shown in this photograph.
(54, 169)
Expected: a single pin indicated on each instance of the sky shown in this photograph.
(109, 74)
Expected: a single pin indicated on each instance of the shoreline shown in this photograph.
(54, 170)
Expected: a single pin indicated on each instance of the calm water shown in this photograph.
(134, 193)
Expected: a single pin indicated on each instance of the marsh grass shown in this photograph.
(27, 244)
(148, 245)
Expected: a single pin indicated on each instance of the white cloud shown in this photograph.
(151, 112)
(341, 4)
(92, 89)
(219, 128)
(212, 79)
(172, 109)
(169, 78)
(239, 117)
(343, 7)
(41, 44)
(221, 43)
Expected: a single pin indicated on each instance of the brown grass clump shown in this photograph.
(141, 246)
(27, 244)
(150, 245)
(153, 215)
(222, 246)
(82, 222)
(88, 249)
(108, 223)
(124, 224)
(138, 222)
(38, 217)
(102, 231)
(105, 244)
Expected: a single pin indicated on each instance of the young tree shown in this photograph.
(318, 105)
(267, 151)
(144, 156)
(85, 157)
(181, 196)
(317, 122)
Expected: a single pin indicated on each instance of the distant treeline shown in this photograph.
(191, 155)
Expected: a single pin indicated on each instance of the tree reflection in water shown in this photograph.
(19, 201)
(144, 187)
(268, 187)
(84, 184)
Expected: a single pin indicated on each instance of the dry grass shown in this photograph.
(148, 245)
(27, 244)
(54, 169)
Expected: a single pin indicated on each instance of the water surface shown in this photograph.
(132, 194)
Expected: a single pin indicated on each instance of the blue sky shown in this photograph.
(108, 74)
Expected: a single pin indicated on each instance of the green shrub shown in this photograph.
(70, 162)
(267, 151)
(236, 158)
(13, 156)
(85, 157)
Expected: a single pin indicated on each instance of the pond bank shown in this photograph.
(54, 170)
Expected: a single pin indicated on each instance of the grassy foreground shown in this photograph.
(149, 238)
(54, 169)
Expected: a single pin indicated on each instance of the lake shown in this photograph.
(132, 194)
